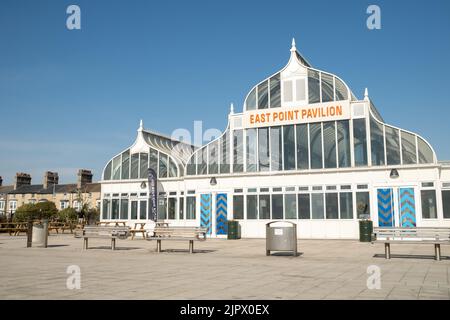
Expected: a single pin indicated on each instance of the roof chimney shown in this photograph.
(84, 177)
(22, 179)
(50, 179)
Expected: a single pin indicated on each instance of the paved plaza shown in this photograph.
(220, 269)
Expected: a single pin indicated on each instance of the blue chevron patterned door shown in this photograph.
(407, 204)
(385, 207)
(205, 212)
(221, 213)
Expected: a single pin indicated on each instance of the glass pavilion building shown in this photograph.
(304, 149)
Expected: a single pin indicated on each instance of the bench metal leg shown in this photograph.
(113, 244)
(85, 244)
(267, 252)
(387, 250)
(158, 246)
(191, 246)
(437, 251)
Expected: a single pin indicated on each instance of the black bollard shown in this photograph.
(29, 233)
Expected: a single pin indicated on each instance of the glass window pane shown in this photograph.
(302, 147)
(363, 205)
(300, 85)
(340, 90)
(360, 142)
(304, 211)
(313, 86)
(116, 168)
(143, 210)
(124, 209)
(154, 159)
(201, 161)
(115, 209)
(251, 100)
(225, 153)
(275, 91)
(392, 146)
(181, 209)
(446, 203)
(290, 202)
(213, 157)
(289, 147)
(251, 149)
(429, 210)
(327, 88)
(134, 174)
(162, 207)
(329, 144)
(143, 172)
(425, 152)
(191, 168)
(276, 149)
(106, 208)
(252, 207)
(277, 206)
(172, 208)
(238, 153)
(346, 205)
(125, 165)
(173, 170)
(317, 205)
(263, 149)
(287, 91)
(162, 165)
(191, 208)
(264, 206)
(315, 135)
(107, 173)
(343, 136)
(332, 209)
(263, 96)
(377, 142)
(238, 207)
(134, 208)
(408, 148)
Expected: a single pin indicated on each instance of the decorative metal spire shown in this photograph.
(141, 125)
(231, 108)
(293, 48)
(366, 94)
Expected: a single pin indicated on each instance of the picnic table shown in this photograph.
(115, 223)
(14, 228)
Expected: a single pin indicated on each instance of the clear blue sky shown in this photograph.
(73, 99)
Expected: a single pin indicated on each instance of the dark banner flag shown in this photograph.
(153, 195)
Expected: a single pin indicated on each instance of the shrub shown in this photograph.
(68, 214)
(41, 210)
(92, 215)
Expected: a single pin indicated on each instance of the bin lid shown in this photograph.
(281, 223)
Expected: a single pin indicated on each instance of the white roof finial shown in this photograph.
(366, 94)
(293, 48)
(141, 125)
(231, 108)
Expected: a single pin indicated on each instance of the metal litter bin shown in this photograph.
(365, 230)
(281, 236)
(234, 230)
(40, 234)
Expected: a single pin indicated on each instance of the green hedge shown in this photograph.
(35, 211)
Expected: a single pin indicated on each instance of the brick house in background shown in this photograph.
(63, 195)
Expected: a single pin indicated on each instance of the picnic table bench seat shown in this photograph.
(436, 236)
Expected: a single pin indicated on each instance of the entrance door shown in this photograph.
(205, 212)
(221, 214)
(396, 207)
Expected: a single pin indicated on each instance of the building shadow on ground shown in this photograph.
(410, 256)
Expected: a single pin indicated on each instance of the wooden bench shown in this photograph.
(422, 235)
(103, 232)
(178, 233)
(139, 228)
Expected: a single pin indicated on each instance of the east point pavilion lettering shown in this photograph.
(266, 118)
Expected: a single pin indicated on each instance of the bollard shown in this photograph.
(29, 233)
